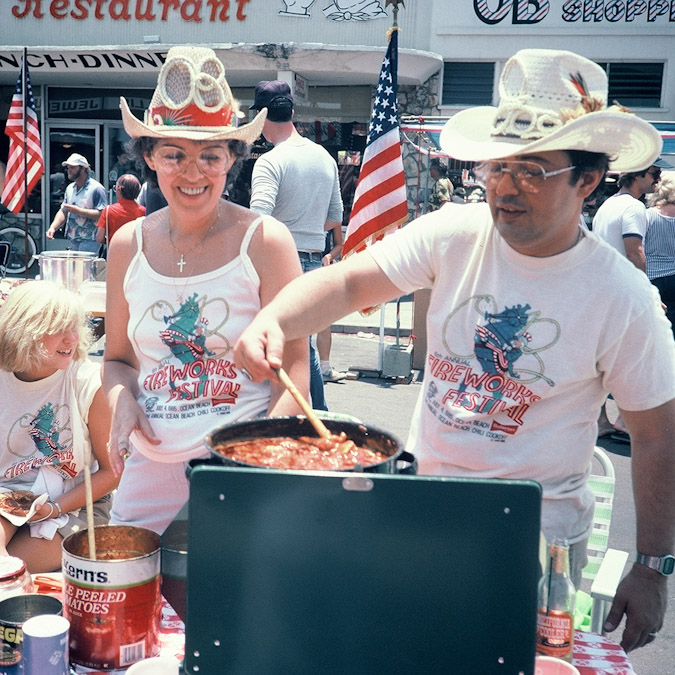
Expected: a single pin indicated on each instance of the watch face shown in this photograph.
(668, 565)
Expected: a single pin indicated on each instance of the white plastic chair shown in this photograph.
(605, 565)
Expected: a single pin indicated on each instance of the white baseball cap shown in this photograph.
(76, 160)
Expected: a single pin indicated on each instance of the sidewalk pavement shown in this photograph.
(388, 316)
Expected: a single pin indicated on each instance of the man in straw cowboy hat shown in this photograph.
(520, 355)
(183, 283)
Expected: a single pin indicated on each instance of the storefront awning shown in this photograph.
(138, 66)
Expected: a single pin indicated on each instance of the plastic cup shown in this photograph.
(45, 645)
(547, 665)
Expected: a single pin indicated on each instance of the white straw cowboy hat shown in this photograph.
(552, 100)
(193, 101)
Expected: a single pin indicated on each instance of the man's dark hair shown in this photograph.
(584, 161)
(441, 168)
(627, 179)
(137, 148)
(280, 110)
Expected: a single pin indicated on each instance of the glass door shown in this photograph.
(116, 160)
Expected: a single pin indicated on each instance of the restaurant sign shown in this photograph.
(137, 10)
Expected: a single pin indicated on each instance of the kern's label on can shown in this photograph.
(113, 605)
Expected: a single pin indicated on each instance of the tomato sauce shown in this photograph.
(312, 454)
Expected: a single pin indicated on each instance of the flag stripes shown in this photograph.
(25, 165)
(380, 200)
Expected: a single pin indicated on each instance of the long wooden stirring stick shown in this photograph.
(320, 427)
(91, 536)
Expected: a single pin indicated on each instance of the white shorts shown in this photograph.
(150, 494)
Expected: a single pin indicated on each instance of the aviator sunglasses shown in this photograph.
(528, 176)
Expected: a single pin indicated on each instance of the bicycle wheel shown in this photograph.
(16, 263)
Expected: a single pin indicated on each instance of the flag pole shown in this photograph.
(380, 347)
(25, 158)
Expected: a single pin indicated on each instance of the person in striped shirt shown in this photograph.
(660, 241)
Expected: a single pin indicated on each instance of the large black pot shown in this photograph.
(398, 460)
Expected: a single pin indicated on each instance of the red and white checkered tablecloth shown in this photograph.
(593, 654)
(599, 655)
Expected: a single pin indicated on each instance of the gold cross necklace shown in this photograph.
(182, 262)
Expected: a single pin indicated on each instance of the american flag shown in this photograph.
(380, 202)
(22, 175)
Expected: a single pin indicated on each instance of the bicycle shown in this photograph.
(15, 236)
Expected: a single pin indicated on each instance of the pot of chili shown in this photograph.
(292, 443)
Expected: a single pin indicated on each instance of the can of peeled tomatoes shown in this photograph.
(114, 602)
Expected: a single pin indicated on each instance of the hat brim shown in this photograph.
(247, 132)
(631, 143)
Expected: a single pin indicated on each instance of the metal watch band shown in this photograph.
(664, 564)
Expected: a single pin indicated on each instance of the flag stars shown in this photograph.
(385, 106)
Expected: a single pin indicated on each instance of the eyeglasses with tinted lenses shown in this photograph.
(528, 176)
(211, 161)
(654, 174)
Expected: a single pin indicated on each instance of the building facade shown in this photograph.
(84, 54)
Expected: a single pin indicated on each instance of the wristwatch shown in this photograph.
(664, 564)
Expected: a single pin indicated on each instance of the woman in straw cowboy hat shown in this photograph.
(532, 320)
(182, 284)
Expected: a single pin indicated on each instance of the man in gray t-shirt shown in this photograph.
(297, 183)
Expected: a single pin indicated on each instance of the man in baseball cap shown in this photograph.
(297, 182)
(532, 320)
(83, 201)
(76, 160)
(275, 95)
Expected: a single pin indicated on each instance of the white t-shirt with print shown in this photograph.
(521, 352)
(44, 424)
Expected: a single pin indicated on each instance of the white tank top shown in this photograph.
(183, 332)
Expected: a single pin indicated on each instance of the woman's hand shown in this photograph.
(127, 416)
(44, 512)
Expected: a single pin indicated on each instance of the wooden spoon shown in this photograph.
(89, 504)
(320, 427)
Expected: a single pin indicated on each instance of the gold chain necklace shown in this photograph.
(182, 262)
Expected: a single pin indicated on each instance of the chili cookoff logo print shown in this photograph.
(50, 430)
(492, 376)
(191, 370)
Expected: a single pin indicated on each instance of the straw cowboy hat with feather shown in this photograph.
(552, 100)
(193, 101)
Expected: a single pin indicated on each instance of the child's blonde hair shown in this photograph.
(33, 310)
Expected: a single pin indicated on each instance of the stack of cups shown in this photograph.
(15, 614)
(45, 645)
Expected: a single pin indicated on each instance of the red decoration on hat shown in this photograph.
(189, 116)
